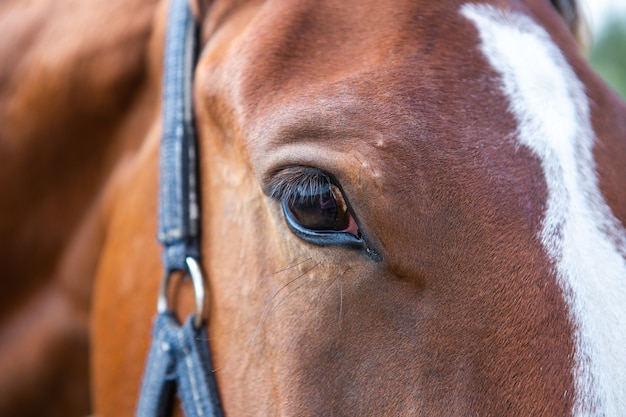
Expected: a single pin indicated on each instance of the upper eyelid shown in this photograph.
(285, 184)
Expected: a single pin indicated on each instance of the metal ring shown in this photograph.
(198, 287)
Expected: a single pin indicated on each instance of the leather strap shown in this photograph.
(179, 355)
(178, 358)
(178, 195)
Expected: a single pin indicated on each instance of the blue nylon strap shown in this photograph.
(178, 201)
(178, 356)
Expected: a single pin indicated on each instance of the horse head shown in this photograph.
(408, 208)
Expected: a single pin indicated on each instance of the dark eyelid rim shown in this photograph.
(321, 237)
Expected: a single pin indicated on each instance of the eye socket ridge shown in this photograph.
(314, 207)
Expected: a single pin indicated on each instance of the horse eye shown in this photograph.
(321, 208)
(314, 207)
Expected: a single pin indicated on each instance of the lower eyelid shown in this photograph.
(323, 237)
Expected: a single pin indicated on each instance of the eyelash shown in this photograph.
(285, 185)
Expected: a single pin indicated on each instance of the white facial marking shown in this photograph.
(580, 233)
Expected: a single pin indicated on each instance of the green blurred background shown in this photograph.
(608, 35)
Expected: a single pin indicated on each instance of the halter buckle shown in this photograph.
(193, 269)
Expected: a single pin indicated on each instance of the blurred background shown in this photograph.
(606, 20)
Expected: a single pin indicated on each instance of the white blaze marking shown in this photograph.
(580, 233)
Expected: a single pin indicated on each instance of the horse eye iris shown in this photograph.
(320, 209)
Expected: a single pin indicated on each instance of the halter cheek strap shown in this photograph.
(178, 201)
(178, 358)
(179, 355)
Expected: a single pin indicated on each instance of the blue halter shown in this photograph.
(179, 356)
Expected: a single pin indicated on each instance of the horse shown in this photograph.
(407, 208)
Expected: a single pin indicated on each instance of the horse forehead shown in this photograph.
(377, 53)
(319, 68)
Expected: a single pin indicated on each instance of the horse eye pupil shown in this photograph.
(319, 210)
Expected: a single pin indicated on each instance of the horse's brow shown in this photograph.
(305, 131)
(313, 126)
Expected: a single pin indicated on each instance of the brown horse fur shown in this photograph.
(461, 316)
(74, 110)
